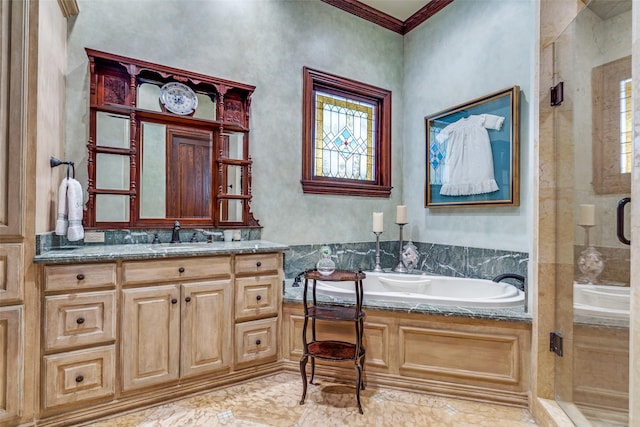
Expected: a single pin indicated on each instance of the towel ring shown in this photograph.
(53, 162)
(73, 169)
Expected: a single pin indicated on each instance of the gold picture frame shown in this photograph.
(473, 153)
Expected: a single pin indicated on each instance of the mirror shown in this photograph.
(112, 130)
(151, 164)
(153, 177)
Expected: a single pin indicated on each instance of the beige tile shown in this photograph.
(275, 401)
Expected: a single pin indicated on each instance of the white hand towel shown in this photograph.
(75, 200)
(62, 221)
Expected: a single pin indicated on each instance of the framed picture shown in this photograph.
(473, 153)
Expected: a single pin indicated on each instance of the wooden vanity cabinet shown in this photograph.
(174, 327)
(117, 335)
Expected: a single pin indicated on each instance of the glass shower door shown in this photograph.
(593, 150)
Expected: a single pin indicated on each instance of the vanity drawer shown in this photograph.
(79, 376)
(257, 297)
(79, 276)
(256, 340)
(79, 319)
(257, 263)
(168, 270)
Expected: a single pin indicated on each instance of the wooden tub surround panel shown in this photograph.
(478, 359)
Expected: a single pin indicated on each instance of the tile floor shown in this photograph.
(274, 401)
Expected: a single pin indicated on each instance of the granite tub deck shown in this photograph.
(89, 253)
(293, 294)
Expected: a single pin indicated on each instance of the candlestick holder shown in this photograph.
(400, 268)
(377, 268)
(590, 262)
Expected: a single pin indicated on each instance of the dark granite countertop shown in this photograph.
(514, 314)
(89, 253)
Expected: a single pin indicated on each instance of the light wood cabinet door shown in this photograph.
(206, 325)
(150, 349)
(79, 276)
(256, 264)
(171, 270)
(256, 341)
(79, 319)
(11, 362)
(11, 263)
(79, 376)
(17, 116)
(257, 297)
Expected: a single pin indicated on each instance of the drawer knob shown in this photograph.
(174, 301)
(80, 276)
(258, 342)
(79, 378)
(80, 320)
(188, 299)
(258, 298)
(258, 264)
(181, 270)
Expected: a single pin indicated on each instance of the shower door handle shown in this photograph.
(620, 220)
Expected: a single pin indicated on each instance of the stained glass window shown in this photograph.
(625, 126)
(344, 138)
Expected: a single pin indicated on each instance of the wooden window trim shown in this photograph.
(380, 186)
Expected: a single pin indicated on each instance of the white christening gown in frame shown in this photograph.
(468, 166)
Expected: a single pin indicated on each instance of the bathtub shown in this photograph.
(423, 289)
(606, 301)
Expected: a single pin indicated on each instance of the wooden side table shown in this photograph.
(332, 350)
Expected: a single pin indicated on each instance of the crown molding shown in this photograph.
(370, 14)
(430, 9)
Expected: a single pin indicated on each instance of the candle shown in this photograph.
(587, 215)
(377, 222)
(401, 214)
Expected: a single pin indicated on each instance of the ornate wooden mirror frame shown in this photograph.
(160, 141)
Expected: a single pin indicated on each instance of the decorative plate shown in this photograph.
(178, 98)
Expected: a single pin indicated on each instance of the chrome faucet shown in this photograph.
(175, 236)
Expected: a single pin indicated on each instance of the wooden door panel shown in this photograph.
(11, 362)
(150, 336)
(189, 174)
(206, 320)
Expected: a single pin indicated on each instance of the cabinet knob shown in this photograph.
(79, 378)
(188, 299)
(258, 342)
(258, 298)
(174, 301)
(181, 270)
(80, 276)
(80, 320)
(258, 264)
